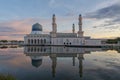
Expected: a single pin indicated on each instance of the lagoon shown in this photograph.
(60, 63)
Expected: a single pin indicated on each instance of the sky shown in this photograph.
(101, 18)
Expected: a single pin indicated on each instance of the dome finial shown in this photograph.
(73, 28)
(53, 15)
(80, 15)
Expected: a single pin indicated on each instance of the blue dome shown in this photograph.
(37, 27)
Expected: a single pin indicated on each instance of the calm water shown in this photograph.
(60, 63)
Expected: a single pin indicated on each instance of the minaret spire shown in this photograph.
(54, 25)
(80, 22)
(80, 32)
(73, 28)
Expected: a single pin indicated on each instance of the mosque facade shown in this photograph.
(37, 37)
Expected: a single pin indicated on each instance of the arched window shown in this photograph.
(41, 41)
(38, 41)
(45, 41)
(28, 41)
(44, 49)
(31, 49)
(32, 41)
(41, 49)
(28, 49)
(38, 50)
(35, 41)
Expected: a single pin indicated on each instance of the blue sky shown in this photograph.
(17, 16)
(12, 9)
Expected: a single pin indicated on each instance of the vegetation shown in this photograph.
(113, 41)
(3, 41)
(11, 41)
(6, 77)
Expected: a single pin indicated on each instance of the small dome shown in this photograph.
(37, 27)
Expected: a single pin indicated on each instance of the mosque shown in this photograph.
(37, 37)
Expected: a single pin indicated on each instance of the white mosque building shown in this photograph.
(54, 38)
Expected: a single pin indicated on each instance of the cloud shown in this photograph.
(52, 2)
(110, 16)
(112, 11)
(10, 29)
(7, 29)
(70, 13)
(104, 4)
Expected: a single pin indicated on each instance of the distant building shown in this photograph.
(37, 37)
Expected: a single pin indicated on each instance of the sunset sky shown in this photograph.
(101, 18)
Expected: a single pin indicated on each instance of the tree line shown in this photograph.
(113, 41)
(5, 41)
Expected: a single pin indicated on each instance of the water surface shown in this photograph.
(60, 63)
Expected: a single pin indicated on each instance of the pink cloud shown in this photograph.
(20, 27)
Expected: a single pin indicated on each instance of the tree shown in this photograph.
(4, 41)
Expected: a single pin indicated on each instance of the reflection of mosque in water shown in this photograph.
(36, 53)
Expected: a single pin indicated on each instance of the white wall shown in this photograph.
(33, 38)
(93, 42)
(67, 41)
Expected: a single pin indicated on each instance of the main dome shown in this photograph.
(37, 27)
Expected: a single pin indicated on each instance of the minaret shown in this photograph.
(54, 26)
(80, 32)
(73, 30)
